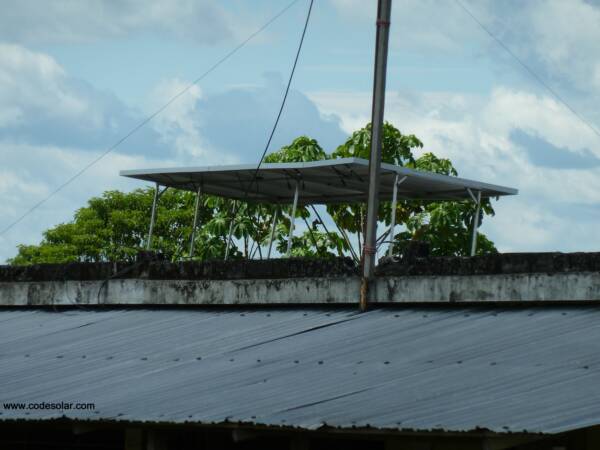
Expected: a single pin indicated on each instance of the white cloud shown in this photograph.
(353, 108)
(40, 101)
(564, 37)
(475, 132)
(29, 21)
(556, 39)
(177, 124)
(417, 25)
(34, 83)
(525, 226)
(510, 109)
(52, 125)
(45, 114)
(31, 172)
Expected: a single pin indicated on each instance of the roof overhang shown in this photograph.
(344, 180)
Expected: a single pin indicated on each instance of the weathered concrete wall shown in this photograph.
(557, 287)
(493, 278)
(582, 286)
(183, 292)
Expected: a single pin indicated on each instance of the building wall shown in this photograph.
(71, 436)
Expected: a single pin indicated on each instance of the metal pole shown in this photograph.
(230, 232)
(152, 217)
(397, 182)
(195, 223)
(383, 27)
(475, 224)
(384, 9)
(272, 235)
(292, 221)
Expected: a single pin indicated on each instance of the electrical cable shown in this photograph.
(528, 69)
(147, 119)
(285, 95)
(279, 113)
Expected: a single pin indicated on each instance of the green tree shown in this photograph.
(302, 149)
(114, 226)
(445, 226)
(396, 149)
(312, 242)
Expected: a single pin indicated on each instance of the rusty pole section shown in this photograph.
(384, 9)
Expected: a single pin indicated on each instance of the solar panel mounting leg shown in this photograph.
(477, 200)
(231, 226)
(397, 182)
(157, 194)
(195, 223)
(272, 235)
(292, 221)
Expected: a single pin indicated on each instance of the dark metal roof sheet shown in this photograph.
(322, 182)
(506, 370)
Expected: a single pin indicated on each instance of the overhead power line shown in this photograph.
(528, 69)
(149, 118)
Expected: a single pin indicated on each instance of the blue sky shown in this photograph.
(76, 76)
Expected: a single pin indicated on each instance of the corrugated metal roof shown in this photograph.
(506, 370)
(329, 181)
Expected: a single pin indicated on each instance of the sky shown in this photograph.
(75, 77)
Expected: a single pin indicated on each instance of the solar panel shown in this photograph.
(330, 181)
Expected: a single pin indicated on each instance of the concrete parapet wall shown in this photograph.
(574, 286)
(181, 292)
(547, 287)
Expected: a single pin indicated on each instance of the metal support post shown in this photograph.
(195, 223)
(397, 182)
(292, 221)
(477, 200)
(369, 250)
(230, 233)
(383, 26)
(157, 194)
(272, 235)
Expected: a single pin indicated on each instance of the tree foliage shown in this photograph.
(302, 149)
(115, 226)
